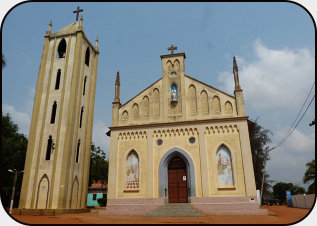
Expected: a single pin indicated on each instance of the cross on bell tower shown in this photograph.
(77, 12)
(172, 48)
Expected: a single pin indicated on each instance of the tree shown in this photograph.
(310, 176)
(3, 63)
(279, 190)
(259, 140)
(98, 165)
(13, 151)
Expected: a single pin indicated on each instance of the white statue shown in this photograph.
(174, 94)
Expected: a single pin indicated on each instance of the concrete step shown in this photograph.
(175, 210)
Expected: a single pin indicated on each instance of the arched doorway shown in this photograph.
(177, 181)
(163, 173)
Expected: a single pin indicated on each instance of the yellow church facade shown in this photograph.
(180, 141)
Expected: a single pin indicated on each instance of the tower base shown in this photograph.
(47, 212)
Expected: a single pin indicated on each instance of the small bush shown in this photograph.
(102, 201)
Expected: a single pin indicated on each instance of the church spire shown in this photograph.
(49, 32)
(236, 75)
(238, 91)
(117, 88)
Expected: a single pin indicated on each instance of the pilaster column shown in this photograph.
(247, 159)
(150, 169)
(203, 162)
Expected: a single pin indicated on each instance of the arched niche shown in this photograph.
(135, 111)
(224, 166)
(174, 92)
(228, 107)
(216, 104)
(156, 103)
(145, 107)
(192, 99)
(204, 102)
(75, 188)
(125, 115)
(132, 171)
(42, 193)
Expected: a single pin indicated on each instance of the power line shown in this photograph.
(282, 141)
(297, 115)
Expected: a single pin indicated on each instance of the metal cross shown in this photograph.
(77, 12)
(172, 48)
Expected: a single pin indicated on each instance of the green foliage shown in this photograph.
(279, 190)
(296, 189)
(259, 140)
(13, 151)
(310, 176)
(4, 62)
(98, 165)
(102, 201)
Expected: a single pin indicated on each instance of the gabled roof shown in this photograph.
(141, 92)
(69, 29)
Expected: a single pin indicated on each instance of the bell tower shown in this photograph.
(58, 155)
(173, 70)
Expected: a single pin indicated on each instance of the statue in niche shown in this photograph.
(174, 93)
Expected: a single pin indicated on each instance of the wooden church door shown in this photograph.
(177, 181)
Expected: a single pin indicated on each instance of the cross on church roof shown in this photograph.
(172, 48)
(77, 12)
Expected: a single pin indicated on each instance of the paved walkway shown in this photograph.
(278, 215)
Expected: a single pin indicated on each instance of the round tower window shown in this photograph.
(192, 140)
(159, 142)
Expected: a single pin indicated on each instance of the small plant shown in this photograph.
(102, 201)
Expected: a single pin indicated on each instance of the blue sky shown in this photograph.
(274, 45)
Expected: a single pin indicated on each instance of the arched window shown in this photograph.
(87, 56)
(85, 80)
(49, 148)
(81, 116)
(224, 167)
(58, 78)
(53, 112)
(77, 152)
(132, 171)
(62, 49)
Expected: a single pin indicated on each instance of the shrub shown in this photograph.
(102, 201)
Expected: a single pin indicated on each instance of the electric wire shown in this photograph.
(297, 123)
(286, 135)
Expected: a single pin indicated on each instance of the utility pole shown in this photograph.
(264, 172)
(16, 172)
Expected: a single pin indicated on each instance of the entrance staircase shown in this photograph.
(175, 210)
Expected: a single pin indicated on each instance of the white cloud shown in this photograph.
(298, 142)
(99, 136)
(274, 79)
(22, 119)
(275, 84)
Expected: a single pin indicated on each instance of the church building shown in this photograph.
(180, 141)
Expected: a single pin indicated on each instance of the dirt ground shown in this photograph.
(277, 215)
